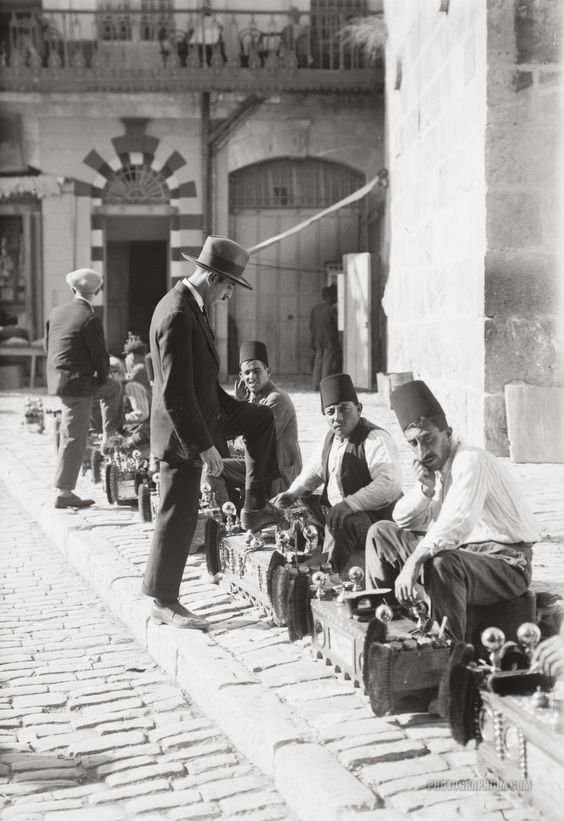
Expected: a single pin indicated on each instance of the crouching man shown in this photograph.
(357, 463)
(465, 524)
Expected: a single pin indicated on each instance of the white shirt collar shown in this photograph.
(195, 293)
(77, 296)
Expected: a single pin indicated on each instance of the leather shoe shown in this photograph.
(257, 519)
(177, 615)
(73, 500)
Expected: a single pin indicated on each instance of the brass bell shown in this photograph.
(528, 635)
(384, 612)
(229, 509)
(492, 638)
(318, 579)
(356, 575)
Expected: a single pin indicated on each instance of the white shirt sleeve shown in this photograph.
(415, 510)
(383, 462)
(462, 506)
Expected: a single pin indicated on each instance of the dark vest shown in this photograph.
(354, 470)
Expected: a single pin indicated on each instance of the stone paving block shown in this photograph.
(172, 742)
(418, 782)
(210, 762)
(80, 722)
(439, 730)
(412, 800)
(364, 740)
(27, 808)
(442, 745)
(248, 801)
(20, 762)
(385, 751)
(43, 700)
(123, 764)
(88, 814)
(197, 812)
(373, 815)
(49, 774)
(135, 774)
(155, 786)
(111, 741)
(215, 790)
(294, 674)
(107, 756)
(175, 727)
(354, 727)
(383, 771)
(162, 801)
(113, 706)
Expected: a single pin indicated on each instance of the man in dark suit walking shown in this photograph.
(191, 419)
(77, 372)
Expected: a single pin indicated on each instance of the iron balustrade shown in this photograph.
(144, 49)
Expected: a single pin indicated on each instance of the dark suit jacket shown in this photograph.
(77, 359)
(189, 405)
(323, 326)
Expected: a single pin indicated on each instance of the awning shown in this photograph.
(40, 186)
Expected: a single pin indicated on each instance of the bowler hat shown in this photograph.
(225, 257)
(253, 350)
(414, 400)
(85, 280)
(337, 388)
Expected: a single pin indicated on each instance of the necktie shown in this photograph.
(206, 317)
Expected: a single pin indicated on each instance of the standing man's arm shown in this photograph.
(93, 333)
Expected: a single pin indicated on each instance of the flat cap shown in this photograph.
(85, 280)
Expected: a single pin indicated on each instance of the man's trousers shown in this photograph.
(179, 488)
(75, 422)
(453, 579)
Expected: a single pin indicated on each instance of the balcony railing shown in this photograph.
(139, 50)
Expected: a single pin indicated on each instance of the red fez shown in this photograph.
(412, 401)
(337, 388)
(253, 350)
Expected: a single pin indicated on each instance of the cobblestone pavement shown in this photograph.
(328, 755)
(90, 728)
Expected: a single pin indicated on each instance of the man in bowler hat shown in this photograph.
(191, 419)
(465, 523)
(357, 463)
(78, 367)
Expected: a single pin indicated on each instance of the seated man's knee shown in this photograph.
(443, 566)
(381, 531)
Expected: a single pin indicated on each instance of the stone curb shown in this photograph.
(307, 776)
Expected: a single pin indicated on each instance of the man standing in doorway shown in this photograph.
(324, 337)
(191, 419)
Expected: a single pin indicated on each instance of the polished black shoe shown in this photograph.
(177, 615)
(62, 502)
(257, 519)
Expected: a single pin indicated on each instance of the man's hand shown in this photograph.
(284, 500)
(337, 515)
(426, 478)
(549, 656)
(404, 587)
(212, 461)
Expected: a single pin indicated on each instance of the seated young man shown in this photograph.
(135, 353)
(465, 524)
(136, 406)
(357, 463)
(257, 387)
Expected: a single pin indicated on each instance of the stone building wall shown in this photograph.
(523, 136)
(474, 116)
(436, 115)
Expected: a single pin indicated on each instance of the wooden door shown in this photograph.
(287, 278)
(116, 287)
(357, 337)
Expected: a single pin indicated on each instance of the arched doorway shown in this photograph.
(136, 215)
(265, 199)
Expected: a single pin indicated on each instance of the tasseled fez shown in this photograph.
(413, 400)
(253, 350)
(337, 388)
